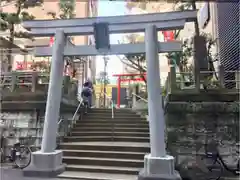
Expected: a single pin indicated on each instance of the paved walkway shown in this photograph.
(16, 174)
(7, 173)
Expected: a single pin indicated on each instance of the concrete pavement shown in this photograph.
(7, 173)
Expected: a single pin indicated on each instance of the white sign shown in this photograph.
(204, 15)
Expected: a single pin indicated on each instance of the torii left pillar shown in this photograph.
(48, 161)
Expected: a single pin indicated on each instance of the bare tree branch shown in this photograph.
(124, 61)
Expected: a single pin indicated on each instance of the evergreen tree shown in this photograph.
(67, 10)
(9, 21)
(179, 59)
(138, 62)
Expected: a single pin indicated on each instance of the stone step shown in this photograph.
(109, 109)
(116, 129)
(110, 117)
(106, 138)
(111, 124)
(107, 133)
(103, 169)
(95, 176)
(103, 161)
(107, 146)
(89, 114)
(124, 121)
(104, 154)
(116, 114)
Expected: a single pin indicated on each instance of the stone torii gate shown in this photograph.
(157, 164)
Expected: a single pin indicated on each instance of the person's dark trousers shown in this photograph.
(90, 101)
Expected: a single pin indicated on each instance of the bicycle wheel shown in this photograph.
(211, 168)
(23, 157)
(237, 172)
(1, 155)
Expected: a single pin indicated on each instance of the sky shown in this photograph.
(106, 8)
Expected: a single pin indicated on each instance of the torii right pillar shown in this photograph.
(157, 165)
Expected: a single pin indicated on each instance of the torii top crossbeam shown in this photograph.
(117, 24)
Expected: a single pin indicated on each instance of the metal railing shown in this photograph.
(65, 125)
(137, 105)
(79, 105)
(112, 107)
(17, 80)
(27, 81)
(112, 103)
(192, 81)
(145, 100)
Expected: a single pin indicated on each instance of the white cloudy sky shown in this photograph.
(106, 8)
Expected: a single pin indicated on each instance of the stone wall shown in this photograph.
(188, 131)
(194, 126)
(24, 126)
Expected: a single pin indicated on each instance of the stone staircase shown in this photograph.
(102, 148)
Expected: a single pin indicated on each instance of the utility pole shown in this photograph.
(105, 58)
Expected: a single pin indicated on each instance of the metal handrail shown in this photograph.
(74, 115)
(145, 100)
(112, 105)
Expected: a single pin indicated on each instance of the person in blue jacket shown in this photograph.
(87, 92)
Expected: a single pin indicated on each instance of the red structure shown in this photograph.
(168, 36)
(51, 41)
(125, 78)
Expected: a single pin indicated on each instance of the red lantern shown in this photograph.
(19, 66)
(51, 41)
(168, 35)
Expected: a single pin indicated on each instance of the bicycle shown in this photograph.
(20, 155)
(215, 165)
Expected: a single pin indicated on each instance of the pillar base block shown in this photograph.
(158, 168)
(45, 165)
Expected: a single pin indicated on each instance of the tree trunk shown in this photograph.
(143, 77)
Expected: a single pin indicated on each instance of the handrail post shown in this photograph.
(172, 79)
(221, 77)
(134, 98)
(112, 104)
(237, 78)
(34, 81)
(72, 121)
(112, 110)
(14, 81)
(66, 83)
(197, 78)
